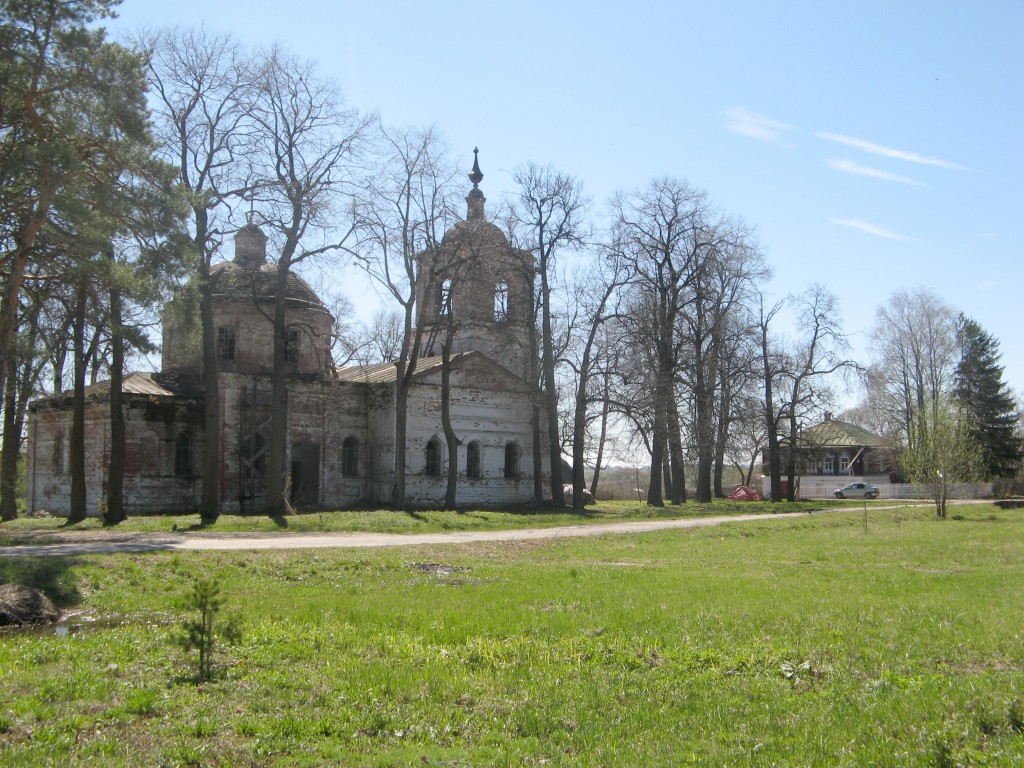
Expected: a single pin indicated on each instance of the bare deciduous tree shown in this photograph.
(817, 354)
(307, 145)
(915, 353)
(595, 302)
(408, 207)
(664, 233)
(551, 215)
(772, 367)
(204, 88)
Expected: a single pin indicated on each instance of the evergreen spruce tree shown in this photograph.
(986, 400)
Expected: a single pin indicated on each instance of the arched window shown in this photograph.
(444, 298)
(434, 461)
(473, 471)
(511, 461)
(501, 302)
(183, 455)
(350, 457)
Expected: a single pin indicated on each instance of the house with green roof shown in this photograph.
(834, 453)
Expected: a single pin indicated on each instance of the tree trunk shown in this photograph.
(579, 482)
(550, 390)
(791, 457)
(278, 449)
(115, 481)
(774, 459)
(722, 437)
(11, 445)
(666, 472)
(401, 417)
(705, 443)
(403, 382)
(600, 442)
(209, 504)
(17, 263)
(76, 450)
(677, 488)
(579, 427)
(452, 442)
(654, 497)
(535, 416)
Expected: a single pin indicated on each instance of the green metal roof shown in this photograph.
(832, 433)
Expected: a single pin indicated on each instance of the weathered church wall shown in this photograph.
(321, 413)
(152, 485)
(488, 406)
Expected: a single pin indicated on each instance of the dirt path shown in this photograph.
(102, 542)
(110, 542)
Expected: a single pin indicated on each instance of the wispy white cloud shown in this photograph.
(848, 166)
(755, 126)
(899, 154)
(871, 229)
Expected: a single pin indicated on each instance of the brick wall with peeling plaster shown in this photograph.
(489, 406)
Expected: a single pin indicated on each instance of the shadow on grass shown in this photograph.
(52, 575)
(548, 508)
(202, 525)
(470, 513)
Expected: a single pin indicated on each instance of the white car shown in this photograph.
(856, 491)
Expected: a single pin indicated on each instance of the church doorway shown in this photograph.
(305, 485)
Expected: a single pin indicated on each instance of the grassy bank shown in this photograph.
(802, 641)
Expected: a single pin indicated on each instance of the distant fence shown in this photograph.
(819, 490)
(959, 491)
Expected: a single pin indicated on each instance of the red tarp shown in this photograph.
(746, 493)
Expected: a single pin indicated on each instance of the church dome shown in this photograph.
(475, 233)
(234, 281)
(250, 277)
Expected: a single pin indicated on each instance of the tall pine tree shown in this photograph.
(985, 398)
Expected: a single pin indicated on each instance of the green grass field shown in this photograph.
(789, 642)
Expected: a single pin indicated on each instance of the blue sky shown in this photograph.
(874, 146)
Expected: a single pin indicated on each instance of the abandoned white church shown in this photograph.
(341, 422)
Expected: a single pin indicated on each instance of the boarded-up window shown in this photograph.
(473, 471)
(183, 455)
(350, 457)
(511, 461)
(434, 462)
(305, 478)
(254, 456)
